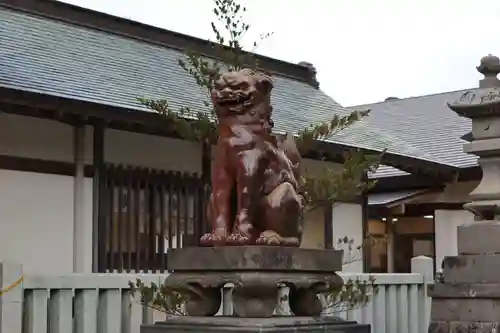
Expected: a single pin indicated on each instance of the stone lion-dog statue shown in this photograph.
(255, 197)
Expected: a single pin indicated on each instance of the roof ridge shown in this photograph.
(406, 98)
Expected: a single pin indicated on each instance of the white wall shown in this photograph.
(35, 138)
(150, 151)
(36, 212)
(445, 228)
(313, 233)
(53, 141)
(348, 222)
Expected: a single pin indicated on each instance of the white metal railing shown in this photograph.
(102, 303)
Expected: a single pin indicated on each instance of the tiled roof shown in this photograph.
(387, 171)
(52, 57)
(57, 58)
(425, 123)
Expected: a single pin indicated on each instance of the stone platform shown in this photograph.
(251, 325)
(255, 272)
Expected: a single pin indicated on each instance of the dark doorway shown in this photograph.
(408, 246)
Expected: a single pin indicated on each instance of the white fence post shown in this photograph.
(425, 266)
(11, 301)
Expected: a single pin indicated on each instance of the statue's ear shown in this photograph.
(265, 83)
(289, 146)
(280, 138)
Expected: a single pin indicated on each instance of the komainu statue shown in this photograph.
(256, 176)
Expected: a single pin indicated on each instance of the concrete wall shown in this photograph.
(347, 222)
(446, 223)
(36, 210)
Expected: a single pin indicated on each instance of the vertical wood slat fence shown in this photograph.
(145, 212)
(103, 303)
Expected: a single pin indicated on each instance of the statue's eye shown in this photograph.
(243, 85)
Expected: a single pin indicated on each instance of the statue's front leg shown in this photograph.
(219, 205)
(247, 186)
(219, 221)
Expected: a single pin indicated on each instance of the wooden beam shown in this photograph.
(419, 181)
(328, 226)
(98, 213)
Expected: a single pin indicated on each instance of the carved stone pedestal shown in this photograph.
(256, 272)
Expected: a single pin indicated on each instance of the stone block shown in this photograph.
(254, 258)
(439, 327)
(464, 290)
(254, 325)
(463, 327)
(479, 238)
(466, 310)
(472, 269)
(473, 327)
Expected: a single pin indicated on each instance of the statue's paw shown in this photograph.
(212, 239)
(268, 241)
(269, 238)
(239, 239)
(272, 238)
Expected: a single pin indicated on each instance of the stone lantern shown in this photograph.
(468, 300)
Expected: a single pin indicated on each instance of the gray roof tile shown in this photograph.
(56, 58)
(376, 199)
(425, 123)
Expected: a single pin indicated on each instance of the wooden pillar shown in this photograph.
(365, 246)
(79, 229)
(98, 207)
(391, 233)
(206, 161)
(206, 173)
(328, 220)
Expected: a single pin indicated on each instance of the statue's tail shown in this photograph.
(291, 151)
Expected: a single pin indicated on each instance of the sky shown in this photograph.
(364, 50)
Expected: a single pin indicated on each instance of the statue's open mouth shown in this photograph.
(235, 101)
